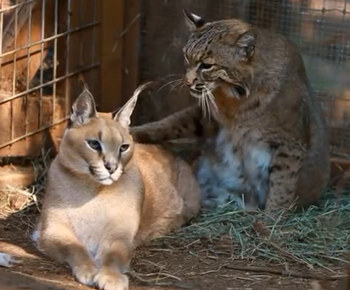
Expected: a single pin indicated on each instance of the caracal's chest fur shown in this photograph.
(96, 212)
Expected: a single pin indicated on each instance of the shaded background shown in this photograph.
(321, 28)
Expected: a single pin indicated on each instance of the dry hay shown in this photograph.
(26, 201)
(316, 239)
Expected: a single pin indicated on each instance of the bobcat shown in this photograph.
(106, 195)
(271, 144)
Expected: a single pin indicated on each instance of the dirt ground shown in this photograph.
(196, 266)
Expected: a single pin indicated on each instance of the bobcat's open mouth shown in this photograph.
(202, 90)
(195, 93)
(205, 99)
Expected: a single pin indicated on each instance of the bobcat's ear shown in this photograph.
(193, 21)
(123, 116)
(84, 108)
(246, 44)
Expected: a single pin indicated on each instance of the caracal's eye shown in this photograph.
(95, 145)
(205, 66)
(124, 147)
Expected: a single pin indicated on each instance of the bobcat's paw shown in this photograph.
(111, 280)
(7, 260)
(85, 274)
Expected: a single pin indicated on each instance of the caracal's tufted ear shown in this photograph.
(123, 116)
(193, 21)
(84, 108)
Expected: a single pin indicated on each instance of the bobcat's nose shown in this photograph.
(110, 167)
(189, 81)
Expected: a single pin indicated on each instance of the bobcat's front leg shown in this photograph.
(115, 257)
(284, 170)
(184, 124)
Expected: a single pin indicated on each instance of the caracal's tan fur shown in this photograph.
(106, 195)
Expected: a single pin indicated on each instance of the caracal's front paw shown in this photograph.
(85, 274)
(111, 280)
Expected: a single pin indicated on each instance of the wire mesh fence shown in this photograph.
(46, 44)
(41, 52)
(321, 29)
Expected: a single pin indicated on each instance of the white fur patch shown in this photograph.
(260, 157)
(118, 173)
(219, 177)
(228, 175)
(35, 235)
(256, 163)
(7, 260)
(106, 179)
(195, 17)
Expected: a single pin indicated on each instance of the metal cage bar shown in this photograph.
(35, 94)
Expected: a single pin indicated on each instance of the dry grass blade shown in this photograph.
(284, 273)
(316, 238)
(27, 200)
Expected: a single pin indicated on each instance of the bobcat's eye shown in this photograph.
(95, 145)
(205, 66)
(124, 147)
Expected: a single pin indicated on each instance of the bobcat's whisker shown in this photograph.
(182, 86)
(207, 104)
(212, 99)
(201, 101)
(176, 85)
(204, 104)
(169, 83)
(172, 75)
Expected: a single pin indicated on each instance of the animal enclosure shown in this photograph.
(50, 47)
(47, 47)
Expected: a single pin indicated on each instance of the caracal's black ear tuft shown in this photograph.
(84, 108)
(193, 21)
(123, 116)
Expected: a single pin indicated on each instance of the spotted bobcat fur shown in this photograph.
(271, 146)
